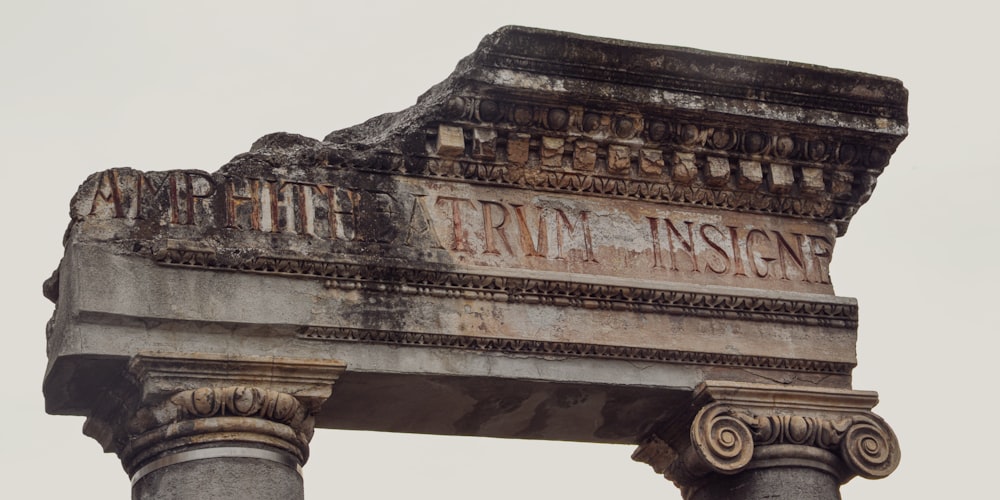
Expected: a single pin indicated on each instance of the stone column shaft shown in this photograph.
(778, 482)
(220, 472)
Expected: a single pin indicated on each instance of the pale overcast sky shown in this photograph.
(187, 85)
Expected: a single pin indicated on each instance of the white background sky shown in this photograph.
(86, 86)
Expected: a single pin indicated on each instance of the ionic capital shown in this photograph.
(734, 427)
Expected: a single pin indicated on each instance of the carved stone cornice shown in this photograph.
(738, 426)
(658, 155)
(625, 65)
(547, 111)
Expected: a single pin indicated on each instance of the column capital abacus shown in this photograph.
(734, 427)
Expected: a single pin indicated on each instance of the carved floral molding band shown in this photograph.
(524, 290)
(238, 401)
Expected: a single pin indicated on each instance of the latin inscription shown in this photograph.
(479, 226)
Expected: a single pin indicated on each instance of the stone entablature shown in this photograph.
(563, 240)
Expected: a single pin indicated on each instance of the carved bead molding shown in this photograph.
(410, 281)
(740, 427)
(571, 349)
(178, 402)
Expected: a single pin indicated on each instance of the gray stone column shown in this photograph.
(201, 426)
(743, 441)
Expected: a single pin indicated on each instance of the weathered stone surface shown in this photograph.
(787, 482)
(561, 241)
(223, 479)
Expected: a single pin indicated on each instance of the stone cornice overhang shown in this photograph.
(695, 78)
(669, 124)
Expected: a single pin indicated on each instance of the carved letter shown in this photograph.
(174, 205)
(588, 244)
(304, 207)
(822, 252)
(346, 215)
(588, 240)
(300, 212)
(737, 254)
(460, 236)
(283, 200)
(114, 195)
(687, 246)
(785, 249)
(140, 182)
(189, 178)
(422, 220)
(753, 256)
(234, 201)
(274, 192)
(189, 196)
(531, 248)
(489, 228)
(654, 230)
(723, 256)
(378, 210)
